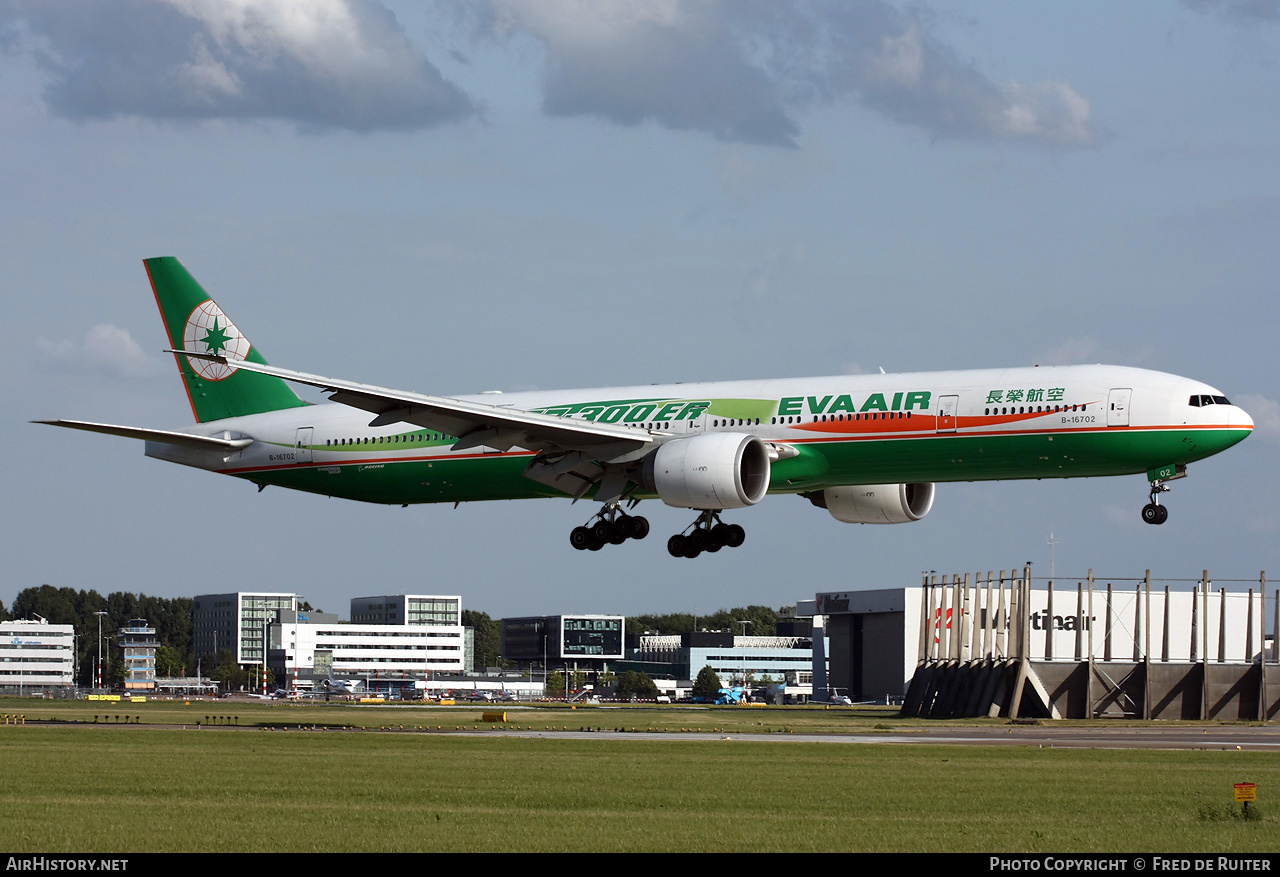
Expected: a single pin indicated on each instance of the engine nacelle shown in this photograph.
(877, 503)
(724, 470)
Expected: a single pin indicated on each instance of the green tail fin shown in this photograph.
(195, 322)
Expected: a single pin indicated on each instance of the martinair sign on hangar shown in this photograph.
(1061, 625)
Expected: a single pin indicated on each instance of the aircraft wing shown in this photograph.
(182, 439)
(475, 423)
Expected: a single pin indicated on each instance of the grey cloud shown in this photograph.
(1240, 10)
(322, 64)
(743, 70)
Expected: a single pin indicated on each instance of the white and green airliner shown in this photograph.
(867, 448)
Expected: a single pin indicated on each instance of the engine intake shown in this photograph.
(876, 503)
(725, 470)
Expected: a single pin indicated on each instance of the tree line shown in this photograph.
(170, 616)
(761, 621)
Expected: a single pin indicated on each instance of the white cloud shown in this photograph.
(743, 70)
(105, 349)
(1048, 111)
(319, 63)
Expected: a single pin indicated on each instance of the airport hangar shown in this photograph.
(973, 644)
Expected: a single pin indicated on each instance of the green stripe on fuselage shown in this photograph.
(821, 463)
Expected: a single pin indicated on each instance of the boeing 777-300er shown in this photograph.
(867, 448)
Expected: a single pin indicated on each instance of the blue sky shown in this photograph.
(456, 197)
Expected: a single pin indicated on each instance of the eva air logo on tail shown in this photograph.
(209, 331)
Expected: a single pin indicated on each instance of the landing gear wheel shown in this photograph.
(640, 527)
(1154, 514)
(580, 538)
(676, 545)
(737, 536)
(1164, 514)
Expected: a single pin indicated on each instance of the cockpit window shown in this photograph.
(1195, 402)
(1199, 401)
(1220, 400)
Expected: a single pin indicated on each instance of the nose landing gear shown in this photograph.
(1153, 512)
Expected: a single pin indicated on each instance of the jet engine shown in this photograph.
(726, 470)
(876, 503)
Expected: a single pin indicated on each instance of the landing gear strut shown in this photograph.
(708, 533)
(612, 526)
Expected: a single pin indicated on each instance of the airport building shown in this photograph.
(237, 622)
(785, 660)
(138, 644)
(407, 609)
(315, 648)
(36, 656)
(564, 641)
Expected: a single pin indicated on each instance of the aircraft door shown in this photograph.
(302, 445)
(696, 426)
(1118, 406)
(947, 406)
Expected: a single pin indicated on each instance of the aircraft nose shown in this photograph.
(1241, 418)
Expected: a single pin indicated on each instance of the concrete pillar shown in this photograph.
(1002, 619)
(1082, 620)
(944, 620)
(956, 625)
(1137, 624)
(1164, 636)
(1106, 641)
(989, 628)
(1248, 628)
(1146, 650)
(819, 664)
(1088, 684)
(1204, 645)
(1222, 624)
(922, 648)
(1048, 624)
(1195, 623)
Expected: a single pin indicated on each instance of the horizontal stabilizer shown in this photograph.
(181, 439)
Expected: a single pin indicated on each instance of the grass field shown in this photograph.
(140, 788)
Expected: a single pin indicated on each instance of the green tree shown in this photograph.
(168, 662)
(488, 637)
(555, 684)
(637, 685)
(229, 675)
(707, 686)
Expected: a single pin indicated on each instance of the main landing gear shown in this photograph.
(709, 533)
(613, 527)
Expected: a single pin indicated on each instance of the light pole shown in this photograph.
(100, 613)
(744, 622)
